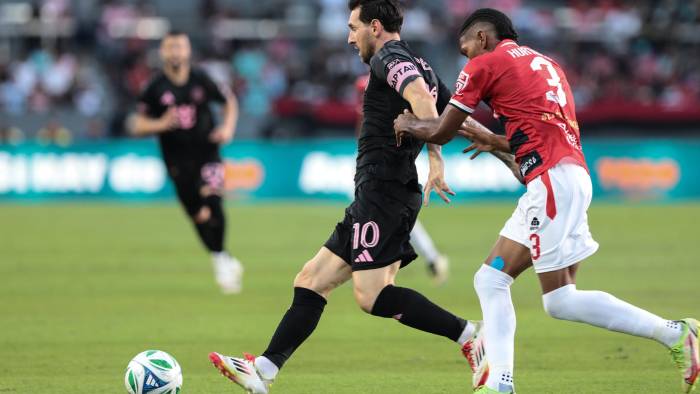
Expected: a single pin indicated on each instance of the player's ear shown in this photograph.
(376, 27)
(483, 39)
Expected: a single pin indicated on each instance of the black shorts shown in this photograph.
(197, 179)
(377, 225)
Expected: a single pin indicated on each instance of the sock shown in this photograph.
(296, 325)
(423, 243)
(493, 289)
(212, 231)
(266, 368)
(603, 310)
(414, 310)
(466, 334)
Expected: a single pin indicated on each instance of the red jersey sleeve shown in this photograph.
(471, 86)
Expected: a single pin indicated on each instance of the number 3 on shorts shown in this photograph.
(535, 249)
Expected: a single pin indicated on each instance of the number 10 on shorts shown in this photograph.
(362, 233)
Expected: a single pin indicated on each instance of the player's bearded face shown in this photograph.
(175, 51)
(360, 37)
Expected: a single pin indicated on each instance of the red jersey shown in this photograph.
(530, 94)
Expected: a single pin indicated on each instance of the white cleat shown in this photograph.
(439, 269)
(229, 273)
(475, 353)
(241, 371)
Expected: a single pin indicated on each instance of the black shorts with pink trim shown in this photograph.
(376, 229)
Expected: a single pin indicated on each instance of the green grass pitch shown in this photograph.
(85, 287)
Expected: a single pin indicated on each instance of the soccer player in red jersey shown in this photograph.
(549, 230)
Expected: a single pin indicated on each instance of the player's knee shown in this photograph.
(557, 303)
(365, 298)
(489, 279)
(309, 278)
(203, 215)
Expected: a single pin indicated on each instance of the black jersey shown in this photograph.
(378, 158)
(192, 103)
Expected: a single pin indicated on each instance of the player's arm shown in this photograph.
(229, 117)
(483, 139)
(146, 119)
(436, 130)
(473, 126)
(423, 106)
(140, 124)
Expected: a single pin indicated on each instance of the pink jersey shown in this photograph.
(530, 94)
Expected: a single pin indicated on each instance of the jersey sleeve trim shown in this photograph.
(461, 106)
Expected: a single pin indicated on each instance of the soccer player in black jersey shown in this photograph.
(175, 106)
(372, 242)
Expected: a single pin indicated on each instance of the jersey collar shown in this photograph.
(506, 42)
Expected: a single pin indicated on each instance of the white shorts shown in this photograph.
(551, 218)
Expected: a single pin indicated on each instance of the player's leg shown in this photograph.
(562, 300)
(206, 214)
(560, 241)
(492, 282)
(312, 286)
(376, 294)
(210, 222)
(438, 265)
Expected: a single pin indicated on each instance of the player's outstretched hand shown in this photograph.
(401, 124)
(437, 183)
(482, 141)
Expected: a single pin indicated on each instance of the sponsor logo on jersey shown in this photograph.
(571, 138)
(168, 98)
(529, 162)
(461, 83)
(423, 63)
(534, 224)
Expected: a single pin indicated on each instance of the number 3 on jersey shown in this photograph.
(559, 97)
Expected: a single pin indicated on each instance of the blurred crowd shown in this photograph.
(294, 74)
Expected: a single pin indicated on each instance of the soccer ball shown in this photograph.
(153, 372)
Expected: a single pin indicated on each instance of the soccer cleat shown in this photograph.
(475, 353)
(439, 269)
(686, 354)
(241, 371)
(486, 390)
(229, 273)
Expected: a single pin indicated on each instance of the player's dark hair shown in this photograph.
(504, 26)
(388, 12)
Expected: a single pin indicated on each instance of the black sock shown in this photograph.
(296, 325)
(212, 231)
(414, 310)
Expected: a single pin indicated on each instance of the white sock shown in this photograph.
(493, 288)
(603, 310)
(266, 368)
(423, 243)
(218, 255)
(467, 334)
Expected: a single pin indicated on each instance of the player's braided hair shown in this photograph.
(503, 24)
(388, 12)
